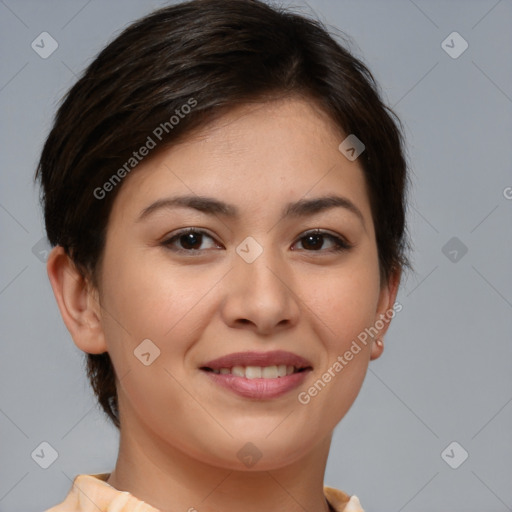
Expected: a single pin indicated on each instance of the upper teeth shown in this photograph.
(259, 372)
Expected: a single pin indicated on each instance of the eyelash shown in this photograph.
(341, 245)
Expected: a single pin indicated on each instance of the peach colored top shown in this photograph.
(91, 493)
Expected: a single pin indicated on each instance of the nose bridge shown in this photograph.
(258, 265)
(262, 289)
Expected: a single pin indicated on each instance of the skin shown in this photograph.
(179, 432)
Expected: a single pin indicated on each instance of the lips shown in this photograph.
(261, 359)
(258, 375)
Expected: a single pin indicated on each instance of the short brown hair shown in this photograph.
(221, 53)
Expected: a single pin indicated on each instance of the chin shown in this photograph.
(264, 452)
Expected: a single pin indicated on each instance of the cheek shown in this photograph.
(167, 304)
(342, 310)
(345, 300)
(151, 296)
(342, 305)
(163, 305)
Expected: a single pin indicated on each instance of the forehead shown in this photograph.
(254, 156)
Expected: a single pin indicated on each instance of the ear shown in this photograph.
(78, 302)
(385, 312)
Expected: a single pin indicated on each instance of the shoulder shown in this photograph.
(84, 487)
(342, 502)
(91, 493)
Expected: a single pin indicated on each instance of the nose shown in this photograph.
(260, 295)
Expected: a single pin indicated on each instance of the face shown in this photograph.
(251, 283)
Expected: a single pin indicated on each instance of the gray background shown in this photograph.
(445, 374)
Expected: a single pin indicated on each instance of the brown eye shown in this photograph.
(190, 240)
(314, 241)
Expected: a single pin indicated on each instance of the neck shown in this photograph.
(169, 479)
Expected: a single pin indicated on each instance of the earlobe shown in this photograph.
(385, 312)
(377, 349)
(77, 302)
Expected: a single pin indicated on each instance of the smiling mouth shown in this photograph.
(258, 375)
(258, 372)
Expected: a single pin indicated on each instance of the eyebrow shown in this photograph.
(212, 206)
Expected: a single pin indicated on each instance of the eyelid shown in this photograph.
(168, 240)
(341, 243)
(340, 240)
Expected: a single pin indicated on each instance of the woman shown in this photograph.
(225, 193)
